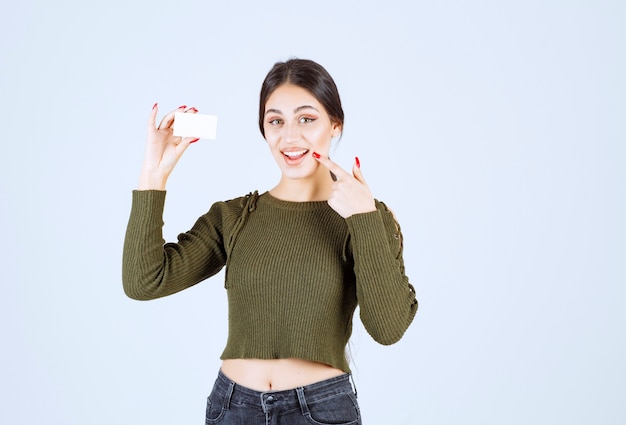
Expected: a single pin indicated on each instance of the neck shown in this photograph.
(314, 188)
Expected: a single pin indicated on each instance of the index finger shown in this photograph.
(332, 167)
(153, 114)
(168, 120)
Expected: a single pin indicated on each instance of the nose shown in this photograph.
(292, 132)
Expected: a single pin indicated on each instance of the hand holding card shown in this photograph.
(195, 125)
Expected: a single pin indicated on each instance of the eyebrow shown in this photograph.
(295, 111)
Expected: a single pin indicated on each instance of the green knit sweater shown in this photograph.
(295, 272)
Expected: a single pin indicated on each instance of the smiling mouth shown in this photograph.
(295, 155)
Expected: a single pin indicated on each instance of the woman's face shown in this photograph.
(296, 125)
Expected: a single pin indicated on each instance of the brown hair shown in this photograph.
(310, 76)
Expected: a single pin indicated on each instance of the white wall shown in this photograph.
(495, 130)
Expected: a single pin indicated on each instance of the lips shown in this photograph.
(294, 156)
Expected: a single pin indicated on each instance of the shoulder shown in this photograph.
(234, 207)
(384, 208)
(389, 218)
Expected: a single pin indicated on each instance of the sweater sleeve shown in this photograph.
(152, 268)
(386, 299)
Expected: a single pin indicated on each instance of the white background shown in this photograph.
(496, 131)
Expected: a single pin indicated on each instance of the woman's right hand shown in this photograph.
(163, 149)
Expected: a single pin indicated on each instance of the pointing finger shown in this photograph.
(335, 169)
(356, 171)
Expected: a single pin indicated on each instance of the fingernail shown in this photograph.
(182, 106)
(358, 163)
(315, 155)
(155, 105)
(194, 140)
(193, 109)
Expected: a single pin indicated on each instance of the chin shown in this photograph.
(297, 174)
(302, 171)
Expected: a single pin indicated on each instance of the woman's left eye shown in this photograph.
(306, 120)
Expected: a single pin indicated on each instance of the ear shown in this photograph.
(336, 131)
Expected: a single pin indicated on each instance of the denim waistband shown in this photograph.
(284, 399)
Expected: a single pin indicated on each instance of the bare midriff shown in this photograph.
(278, 374)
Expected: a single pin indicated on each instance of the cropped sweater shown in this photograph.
(295, 272)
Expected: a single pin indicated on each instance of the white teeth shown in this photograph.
(294, 154)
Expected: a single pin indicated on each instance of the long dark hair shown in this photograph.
(310, 76)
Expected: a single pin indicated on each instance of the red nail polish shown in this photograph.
(315, 155)
(182, 107)
(193, 109)
(155, 105)
(358, 163)
(194, 140)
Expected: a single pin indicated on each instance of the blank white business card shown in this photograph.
(195, 125)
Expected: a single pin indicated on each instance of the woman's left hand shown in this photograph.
(350, 194)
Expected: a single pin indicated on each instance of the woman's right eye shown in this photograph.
(275, 121)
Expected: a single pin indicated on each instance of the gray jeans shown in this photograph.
(332, 401)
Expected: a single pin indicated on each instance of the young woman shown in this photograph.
(298, 258)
